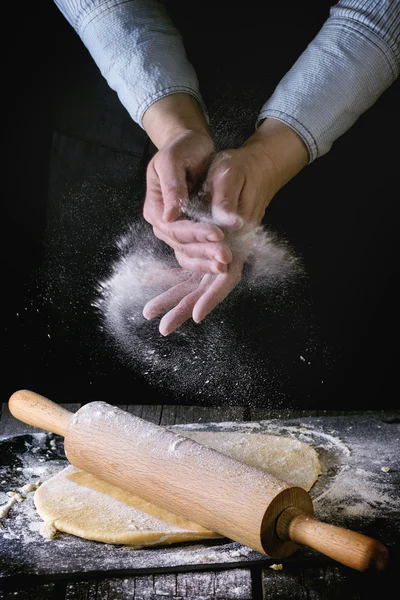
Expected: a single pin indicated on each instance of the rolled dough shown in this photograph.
(75, 502)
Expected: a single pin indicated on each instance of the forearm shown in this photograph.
(282, 148)
(354, 58)
(173, 115)
(137, 48)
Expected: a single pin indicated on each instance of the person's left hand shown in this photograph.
(191, 295)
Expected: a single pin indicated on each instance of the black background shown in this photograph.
(65, 132)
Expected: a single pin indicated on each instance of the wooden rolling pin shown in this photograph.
(240, 502)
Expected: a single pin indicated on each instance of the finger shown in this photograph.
(199, 265)
(153, 203)
(168, 277)
(184, 231)
(174, 190)
(183, 311)
(167, 300)
(252, 206)
(226, 186)
(220, 288)
(213, 251)
(208, 251)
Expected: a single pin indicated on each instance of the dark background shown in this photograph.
(74, 166)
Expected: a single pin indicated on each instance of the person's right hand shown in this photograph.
(171, 174)
(185, 150)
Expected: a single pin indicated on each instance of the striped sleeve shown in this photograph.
(353, 59)
(137, 48)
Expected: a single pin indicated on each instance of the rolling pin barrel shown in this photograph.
(183, 476)
(243, 503)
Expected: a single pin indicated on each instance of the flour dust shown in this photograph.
(253, 348)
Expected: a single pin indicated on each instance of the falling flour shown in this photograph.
(243, 351)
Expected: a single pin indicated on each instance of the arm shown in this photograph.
(344, 70)
(137, 48)
(140, 53)
(352, 60)
(247, 177)
(177, 127)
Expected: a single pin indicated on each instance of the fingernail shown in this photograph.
(213, 237)
(219, 258)
(163, 330)
(227, 219)
(171, 214)
(234, 222)
(220, 268)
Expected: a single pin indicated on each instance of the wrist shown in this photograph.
(282, 147)
(172, 116)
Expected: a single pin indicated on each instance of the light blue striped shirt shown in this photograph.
(352, 60)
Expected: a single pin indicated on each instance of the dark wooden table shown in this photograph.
(311, 578)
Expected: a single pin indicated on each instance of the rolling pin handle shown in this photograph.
(38, 411)
(350, 548)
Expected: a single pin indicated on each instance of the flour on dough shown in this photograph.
(75, 502)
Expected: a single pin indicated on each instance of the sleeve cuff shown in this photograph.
(138, 50)
(340, 75)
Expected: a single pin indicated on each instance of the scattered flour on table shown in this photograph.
(36, 463)
(343, 495)
(357, 494)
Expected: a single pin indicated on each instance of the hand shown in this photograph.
(195, 294)
(243, 181)
(171, 174)
(191, 295)
(185, 150)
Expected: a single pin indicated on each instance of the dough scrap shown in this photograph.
(78, 503)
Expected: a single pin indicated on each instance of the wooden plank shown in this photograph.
(226, 584)
(196, 585)
(85, 590)
(152, 413)
(181, 414)
(10, 426)
(45, 591)
(135, 409)
(283, 584)
(233, 584)
(265, 413)
(149, 412)
(216, 414)
(165, 585)
(169, 415)
(328, 582)
(205, 414)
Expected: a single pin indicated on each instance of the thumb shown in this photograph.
(226, 188)
(175, 195)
